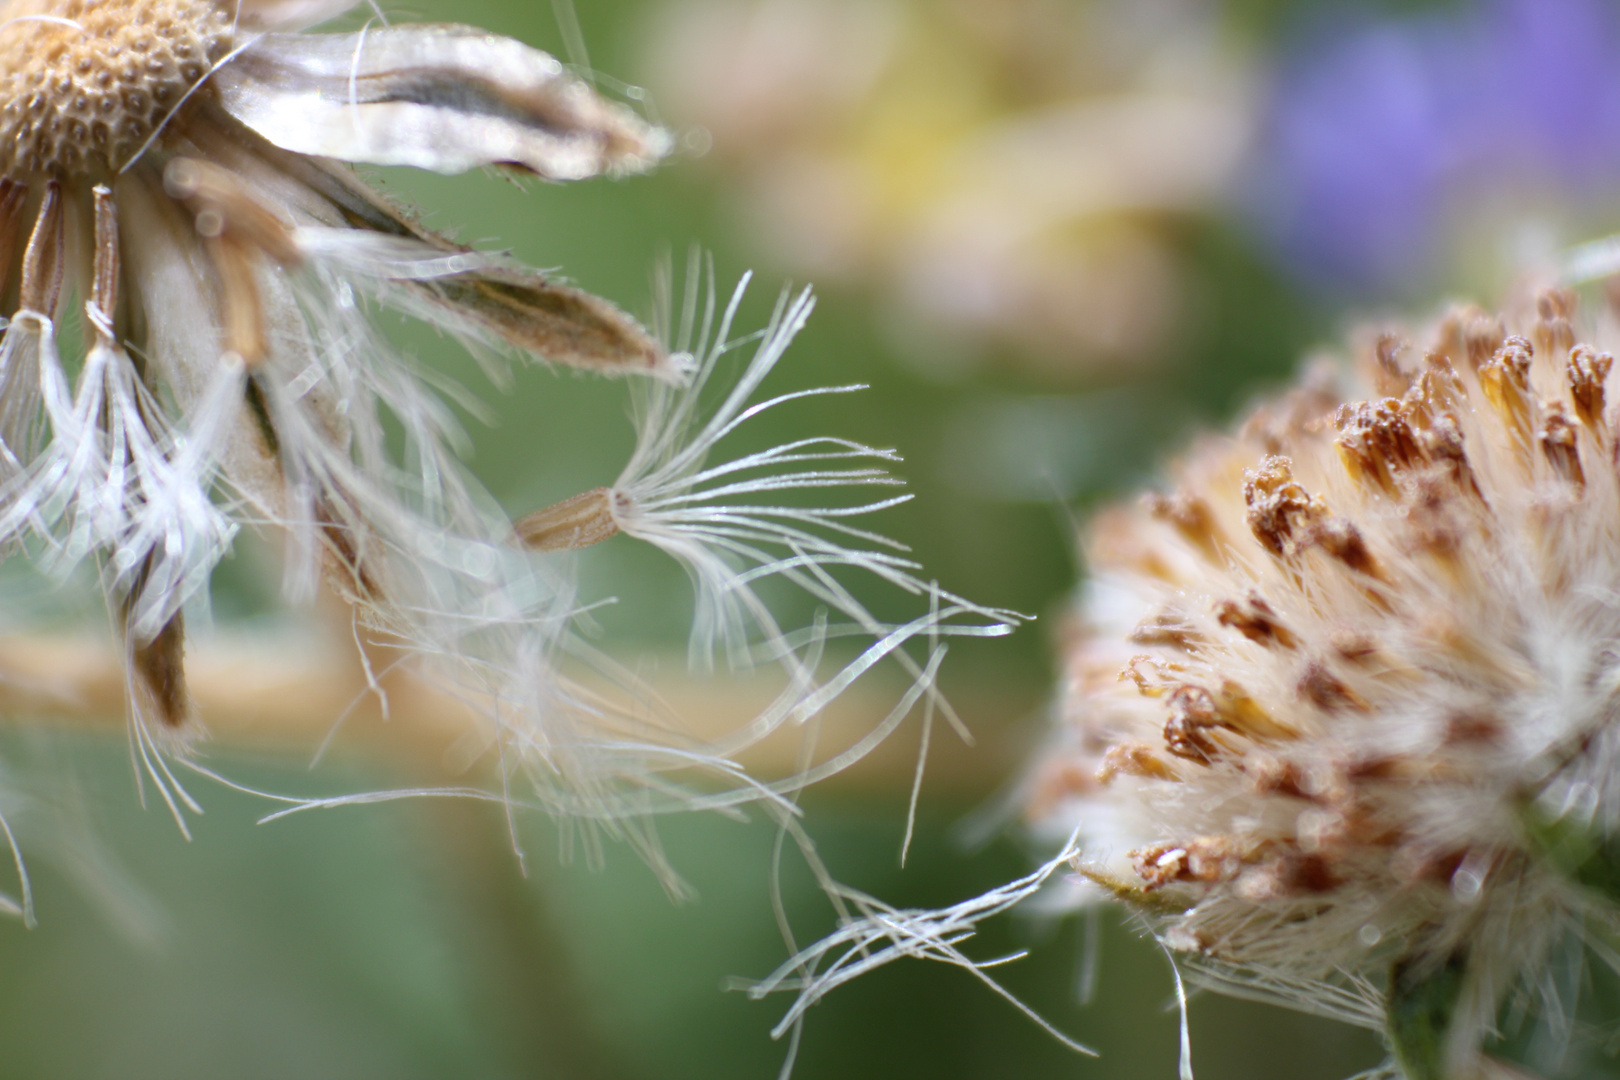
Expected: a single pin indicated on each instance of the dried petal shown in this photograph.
(444, 98)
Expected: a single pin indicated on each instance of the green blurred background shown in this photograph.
(403, 940)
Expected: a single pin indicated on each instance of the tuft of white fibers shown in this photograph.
(732, 525)
(114, 478)
(874, 934)
(27, 355)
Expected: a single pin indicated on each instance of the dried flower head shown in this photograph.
(1338, 720)
(1339, 714)
(171, 169)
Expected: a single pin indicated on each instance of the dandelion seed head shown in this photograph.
(83, 83)
(1338, 716)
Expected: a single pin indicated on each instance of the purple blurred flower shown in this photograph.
(1380, 130)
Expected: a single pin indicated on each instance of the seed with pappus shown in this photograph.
(1339, 718)
(174, 171)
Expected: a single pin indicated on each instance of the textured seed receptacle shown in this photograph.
(84, 83)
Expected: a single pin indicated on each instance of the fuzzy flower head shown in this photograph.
(173, 182)
(1339, 710)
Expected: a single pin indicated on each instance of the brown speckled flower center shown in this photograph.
(84, 83)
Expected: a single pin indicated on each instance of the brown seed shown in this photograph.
(578, 522)
(160, 663)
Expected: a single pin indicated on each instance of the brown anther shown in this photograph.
(1256, 620)
(1133, 759)
(1117, 540)
(1557, 304)
(1192, 519)
(1415, 864)
(1343, 541)
(1588, 372)
(44, 261)
(1204, 860)
(1376, 444)
(1242, 713)
(1431, 519)
(1153, 677)
(1388, 376)
(1558, 444)
(578, 522)
(1552, 332)
(1353, 645)
(1443, 443)
(1186, 734)
(1471, 336)
(1169, 629)
(1439, 389)
(1277, 424)
(1327, 691)
(1473, 728)
(1506, 382)
(1159, 865)
(1381, 767)
(1293, 874)
(1276, 776)
(1279, 509)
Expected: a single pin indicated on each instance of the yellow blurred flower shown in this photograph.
(1005, 174)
